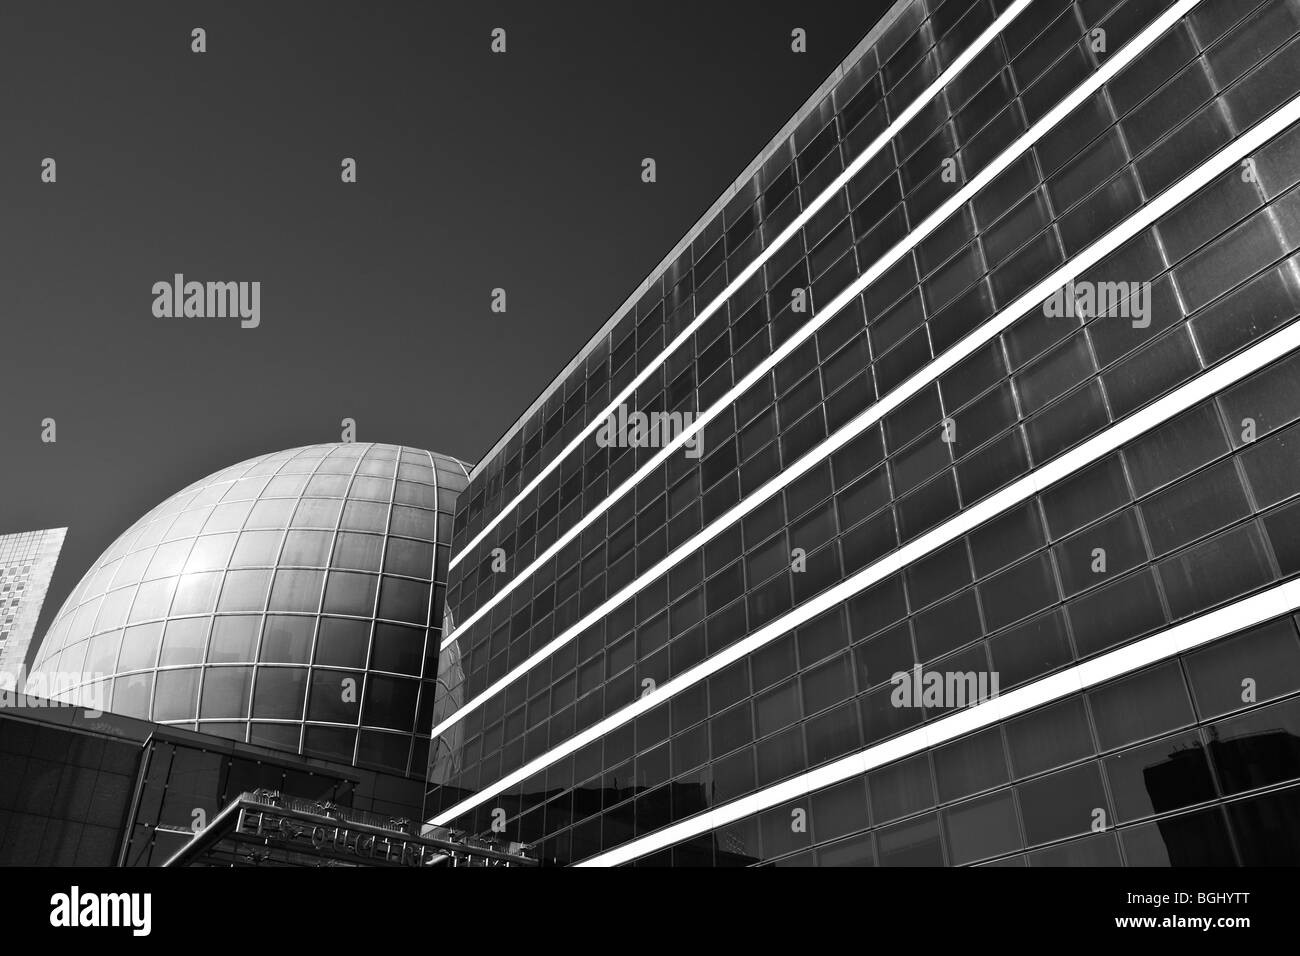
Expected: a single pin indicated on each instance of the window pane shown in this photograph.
(196, 593)
(1146, 704)
(359, 552)
(317, 513)
(226, 692)
(1255, 824)
(1062, 804)
(1101, 552)
(279, 692)
(1159, 777)
(211, 552)
(342, 642)
(414, 558)
(1257, 748)
(244, 591)
(981, 828)
(331, 743)
(152, 600)
(271, 513)
(140, 647)
(415, 493)
(176, 695)
(131, 695)
(233, 639)
(970, 765)
(1050, 737)
(365, 516)
(1195, 507)
(1018, 591)
(1126, 609)
(168, 559)
(102, 656)
(1269, 655)
(347, 593)
(413, 522)
(183, 641)
(306, 548)
(1171, 451)
(287, 640)
(335, 696)
(901, 788)
(256, 549)
(114, 608)
(385, 751)
(1223, 567)
(228, 517)
(390, 702)
(914, 843)
(403, 600)
(378, 489)
(296, 591)
(398, 649)
(1198, 839)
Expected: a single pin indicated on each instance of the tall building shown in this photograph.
(935, 500)
(27, 561)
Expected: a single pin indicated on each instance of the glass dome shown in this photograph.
(293, 601)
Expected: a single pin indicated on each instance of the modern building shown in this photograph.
(934, 502)
(27, 561)
(292, 601)
(244, 678)
(960, 522)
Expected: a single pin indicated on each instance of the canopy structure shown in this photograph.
(268, 828)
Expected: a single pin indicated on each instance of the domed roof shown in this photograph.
(293, 601)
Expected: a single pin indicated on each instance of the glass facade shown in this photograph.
(989, 365)
(27, 561)
(1164, 767)
(293, 601)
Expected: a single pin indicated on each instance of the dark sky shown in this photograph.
(474, 171)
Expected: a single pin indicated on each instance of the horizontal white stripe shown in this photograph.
(875, 146)
(1278, 600)
(877, 269)
(1085, 260)
(1209, 383)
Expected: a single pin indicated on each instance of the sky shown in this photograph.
(475, 171)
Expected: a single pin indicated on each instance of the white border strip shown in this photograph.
(876, 145)
(975, 340)
(1209, 383)
(1278, 600)
(912, 239)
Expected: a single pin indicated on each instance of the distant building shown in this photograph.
(27, 561)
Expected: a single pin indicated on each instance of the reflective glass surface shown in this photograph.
(297, 589)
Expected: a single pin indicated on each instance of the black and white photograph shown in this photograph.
(574, 434)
